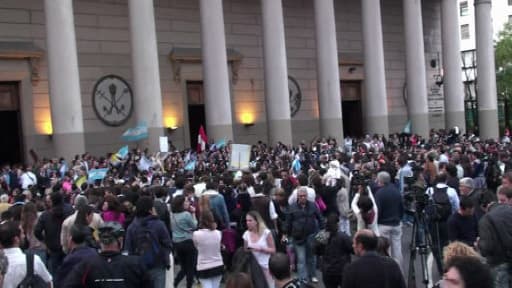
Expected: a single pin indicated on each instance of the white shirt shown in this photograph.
(17, 269)
(28, 178)
(311, 195)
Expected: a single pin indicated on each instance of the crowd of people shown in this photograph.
(338, 209)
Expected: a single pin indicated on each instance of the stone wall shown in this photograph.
(103, 41)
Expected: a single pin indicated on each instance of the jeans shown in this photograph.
(394, 235)
(501, 275)
(187, 256)
(305, 259)
(345, 225)
(332, 281)
(213, 282)
(439, 234)
(157, 276)
(54, 261)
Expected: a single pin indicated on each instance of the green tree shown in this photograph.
(503, 55)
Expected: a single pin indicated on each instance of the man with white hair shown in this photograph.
(390, 212)
(467, 188)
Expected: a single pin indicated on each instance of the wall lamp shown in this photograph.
(171, 124)
(48, 129)
(247, 119)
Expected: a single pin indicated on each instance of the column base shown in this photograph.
(420, 124)
(377, 125)
(488, 125)
(219, 132)
(455, 118)
(332, 128)
(280, 131)
(68, 145)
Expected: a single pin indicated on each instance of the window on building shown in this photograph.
(509, 18)
(464, 31)
(464, 8)
(509, 2)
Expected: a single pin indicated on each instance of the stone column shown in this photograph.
(146, 73)
(486, 84)
(452, 82)
(276, 74)
(215, 71)
(64, 80)
(416, 79)
(329, 97)
(376, 106)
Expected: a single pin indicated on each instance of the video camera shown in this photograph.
(415, 198)
(359, 179)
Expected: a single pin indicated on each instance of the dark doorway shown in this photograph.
(352, 108)
(11, 146)
(196, 113)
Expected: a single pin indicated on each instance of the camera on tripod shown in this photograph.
(415, 198)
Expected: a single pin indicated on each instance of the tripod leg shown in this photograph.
(411, 279)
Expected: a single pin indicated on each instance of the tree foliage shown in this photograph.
(503, 57)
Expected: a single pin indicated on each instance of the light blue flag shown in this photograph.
(407, 128)
(123, 152)
(190, 166)
(136, 134)
(220, 144)
(97, 174)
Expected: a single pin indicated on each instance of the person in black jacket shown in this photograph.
(336, 254)
(371, 270)
(302, 222)
(145, 222)
(48, 229)
(109, 269)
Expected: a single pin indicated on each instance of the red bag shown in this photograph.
(229, 240)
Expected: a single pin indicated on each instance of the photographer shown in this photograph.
(444, 202)
(363, 204)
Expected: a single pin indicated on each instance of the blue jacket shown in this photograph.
(70, 261)
(158, 230)
(390, 205)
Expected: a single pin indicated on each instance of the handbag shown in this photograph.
(320, 204)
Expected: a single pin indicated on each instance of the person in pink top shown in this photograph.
(111, 210)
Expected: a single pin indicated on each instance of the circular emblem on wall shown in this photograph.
(295, 95)
(112, 100)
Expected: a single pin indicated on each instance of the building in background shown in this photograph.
(76, 74)
(501, 14)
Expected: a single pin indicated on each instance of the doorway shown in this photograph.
(352, 108)
(11, 148)
(196, 112)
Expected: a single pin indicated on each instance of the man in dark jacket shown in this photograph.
(148, 227)
(48, 229)
(302, 222)
(109, 269)
(371, 269)
(78, 252)
(391, 210)
(495, 242)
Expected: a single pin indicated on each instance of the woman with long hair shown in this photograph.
(239, 280)
(258, 239)
(207, 241)
(112, 210)
(29, 217)
(183, 223)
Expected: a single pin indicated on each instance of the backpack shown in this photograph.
(147, 246)
(442, 207)
(31, 279)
